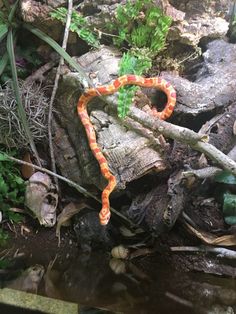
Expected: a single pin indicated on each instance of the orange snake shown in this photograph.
(156, 82)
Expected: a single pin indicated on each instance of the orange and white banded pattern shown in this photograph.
(155, 82)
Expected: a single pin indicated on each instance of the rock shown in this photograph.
(214, 83)
(203, 20)
(192, 21)
(192, 30)
(90, 233)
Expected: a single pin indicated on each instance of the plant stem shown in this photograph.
(20, 107)
(55, 87)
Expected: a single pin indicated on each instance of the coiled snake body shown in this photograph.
(155, 82)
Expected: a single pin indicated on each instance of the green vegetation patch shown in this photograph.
(78, 25)
(142, 27)
(12, 188)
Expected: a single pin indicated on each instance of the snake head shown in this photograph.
(104, 217)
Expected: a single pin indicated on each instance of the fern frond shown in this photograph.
(78, 25)
(131, 63)
(125, 97)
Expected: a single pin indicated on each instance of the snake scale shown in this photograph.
(154, 82)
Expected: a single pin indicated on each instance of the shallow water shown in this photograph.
(99, 284)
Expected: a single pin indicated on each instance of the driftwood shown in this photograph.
(103, 64)
(125, 150)
(133, 146)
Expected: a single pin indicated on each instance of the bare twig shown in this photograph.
(179, 300)
(184, 135)
(38, 74)
(170, 130)
(61, 62)
(73, 184)
(203, 173)
(216, 155)
(220, 251)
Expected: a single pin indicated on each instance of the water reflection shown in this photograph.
(148, 286)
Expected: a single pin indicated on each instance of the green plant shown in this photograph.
(3, 240)
(78, 25)
(143, 27)
(12, 188)
(4, 263)
(27, 60)
(131, 63)
(229, 199)
(9, 26)
(141, 24)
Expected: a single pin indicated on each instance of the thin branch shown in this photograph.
(179, 300)
(38, 74)
(181, 134)
(220, 251)
(216, 155)
(73, 184)
(55, 87)
(67, 28)
(204, 173)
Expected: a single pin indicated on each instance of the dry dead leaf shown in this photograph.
(40, 200)
(26, 170)
(206, 237)
(69, 211)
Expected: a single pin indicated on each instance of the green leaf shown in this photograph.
(3, 186)
(3, 239)
(84, 79)
(3, 157)
(131, 63)
(19, 180)
(125, 97)
(3, 31)
(13, 11)
(4, 263)
(12, 188)
(20, 107)
(225, 177)
(15, 217)
(3, 63)
(229, 208)
(78, 24)
(87, 36)
(141, 24)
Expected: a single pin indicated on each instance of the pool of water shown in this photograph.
(98, 283)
